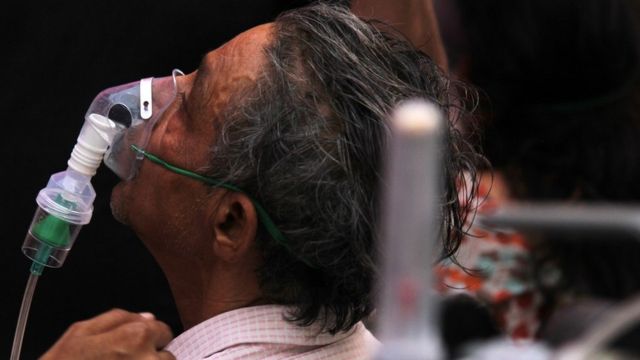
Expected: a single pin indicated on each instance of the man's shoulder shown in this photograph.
(263, 332)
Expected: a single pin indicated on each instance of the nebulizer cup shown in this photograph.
(66, 203)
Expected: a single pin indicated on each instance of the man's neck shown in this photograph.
(204, 291)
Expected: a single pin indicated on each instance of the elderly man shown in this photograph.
(258, 194)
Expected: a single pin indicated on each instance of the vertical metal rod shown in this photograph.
(407, 307)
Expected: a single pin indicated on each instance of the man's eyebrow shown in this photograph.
(203, 68)
(203, 71)
(200, 85)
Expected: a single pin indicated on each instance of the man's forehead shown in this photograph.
(225, 70)
(243, 51)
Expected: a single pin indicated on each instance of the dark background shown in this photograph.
(56, 57)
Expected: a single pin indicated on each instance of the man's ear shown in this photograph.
(235, 224)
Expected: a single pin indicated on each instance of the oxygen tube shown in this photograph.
(64, 206)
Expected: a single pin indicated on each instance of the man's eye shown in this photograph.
(183, 103)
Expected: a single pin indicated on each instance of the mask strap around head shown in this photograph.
(264, 217)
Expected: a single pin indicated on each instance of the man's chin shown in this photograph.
(118, 204)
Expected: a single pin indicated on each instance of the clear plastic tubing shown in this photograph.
(24, 314)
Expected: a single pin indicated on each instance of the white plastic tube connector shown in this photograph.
(95, 137)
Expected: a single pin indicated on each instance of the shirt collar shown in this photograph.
(256, 324)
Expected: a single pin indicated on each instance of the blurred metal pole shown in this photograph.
(407, 309)
(564, 217)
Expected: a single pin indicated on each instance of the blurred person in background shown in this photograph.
(561, 122)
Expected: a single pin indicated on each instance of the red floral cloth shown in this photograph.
(499, 269)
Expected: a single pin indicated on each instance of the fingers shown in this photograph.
(106, 322)
(160, 333)
(115, 334)
(146, 335)
(165, 355)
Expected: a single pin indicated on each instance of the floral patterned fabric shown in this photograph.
(499, 269)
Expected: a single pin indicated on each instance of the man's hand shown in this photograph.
(116, 334)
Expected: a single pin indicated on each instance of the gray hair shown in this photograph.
(306, 142)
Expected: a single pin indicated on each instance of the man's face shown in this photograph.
(158, 203)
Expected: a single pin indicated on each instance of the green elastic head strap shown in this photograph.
(264, 217)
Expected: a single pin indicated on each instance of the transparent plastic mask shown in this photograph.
(135, 108)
